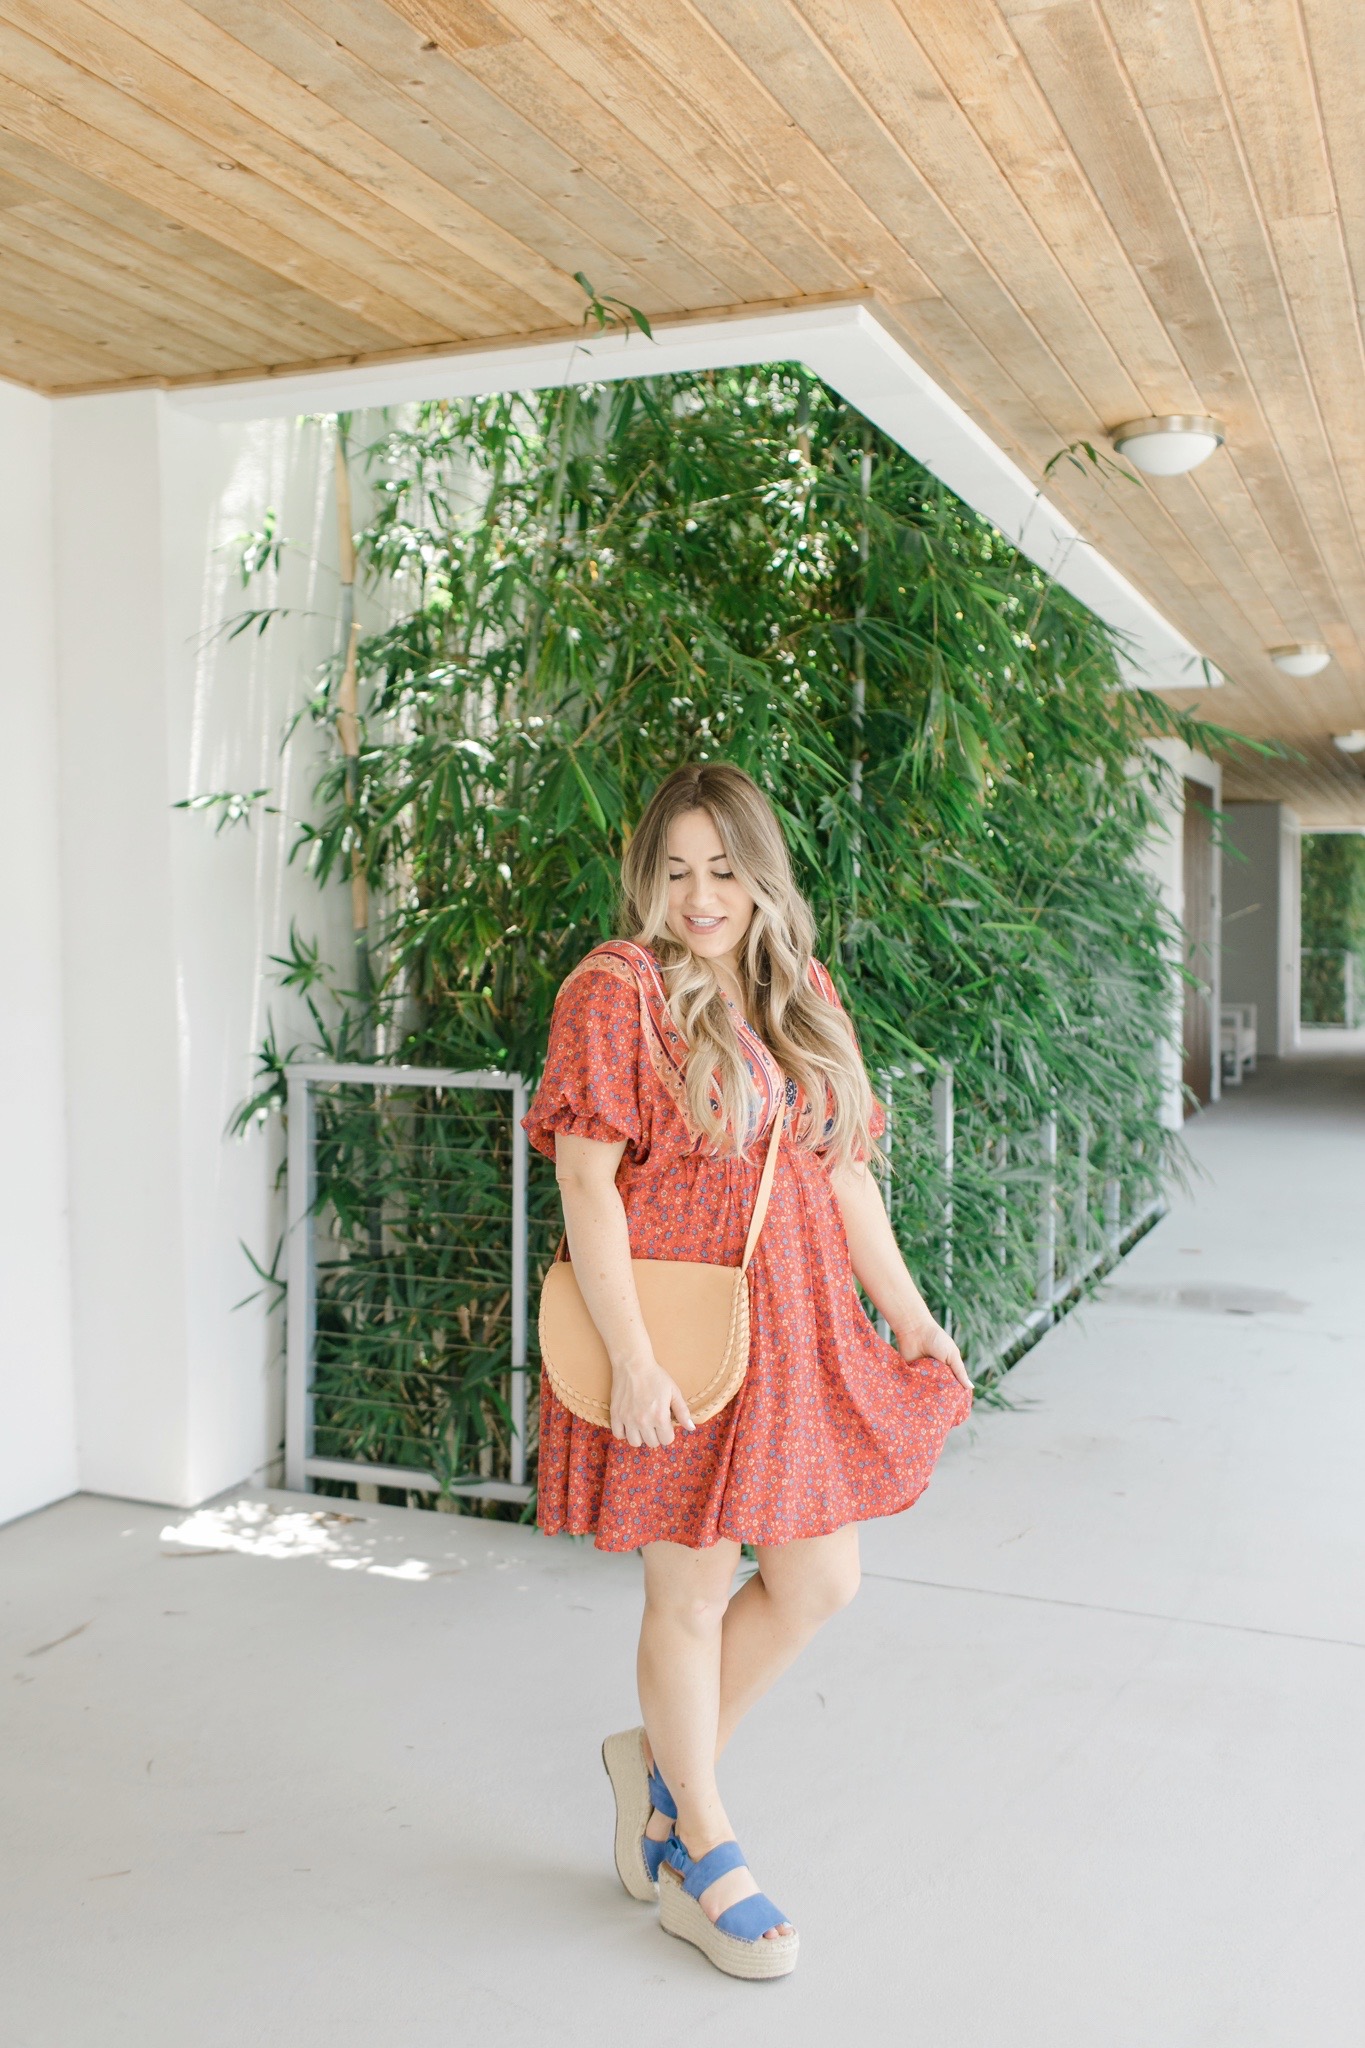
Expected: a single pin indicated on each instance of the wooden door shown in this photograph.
(1198, 1023)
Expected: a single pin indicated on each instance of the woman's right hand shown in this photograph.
(645, 1404)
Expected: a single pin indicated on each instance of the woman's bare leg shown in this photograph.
(705, 1659)
(686, 1593)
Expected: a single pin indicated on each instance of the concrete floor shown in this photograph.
(1082, 1767)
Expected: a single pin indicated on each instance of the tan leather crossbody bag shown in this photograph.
(697, 1316)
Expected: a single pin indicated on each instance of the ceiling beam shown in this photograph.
(847, 345)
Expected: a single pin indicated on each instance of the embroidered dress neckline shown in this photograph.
(774, 1083)
(771, 1084)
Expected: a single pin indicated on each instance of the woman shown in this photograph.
(671, 1052)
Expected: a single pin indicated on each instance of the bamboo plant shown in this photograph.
(1333, 928)
(586, 587)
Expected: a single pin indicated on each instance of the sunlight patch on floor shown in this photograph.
(253, 1528)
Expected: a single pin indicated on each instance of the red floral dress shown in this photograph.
(831, 1425)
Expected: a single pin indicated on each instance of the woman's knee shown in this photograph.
(690, 1592)
(821, 1589)
(699, 1613)
(836, 1586)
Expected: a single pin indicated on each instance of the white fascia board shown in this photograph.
(848, 347)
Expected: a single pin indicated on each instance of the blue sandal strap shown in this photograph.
(653, 1853)
(660, 1798)
(750, 1919)
(696, 1876)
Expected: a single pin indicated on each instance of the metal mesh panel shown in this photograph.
(408, 1280)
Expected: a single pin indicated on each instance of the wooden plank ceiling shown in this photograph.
(1073, 212)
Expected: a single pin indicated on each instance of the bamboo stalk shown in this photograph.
(859, 698)
(348, 721)
(348, 735)
(855, 780)
(568, 415)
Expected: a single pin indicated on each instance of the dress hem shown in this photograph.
(877, 1514)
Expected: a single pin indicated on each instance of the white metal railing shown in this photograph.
(301, 1464)
(1053, 1289)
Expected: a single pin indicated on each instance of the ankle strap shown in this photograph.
(660, 1798)
(715, 1863)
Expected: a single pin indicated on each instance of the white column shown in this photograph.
(1289, 934)
(38, 1433)
(168, 927)
(1165, 861)
(119, 951)
(1261, 919)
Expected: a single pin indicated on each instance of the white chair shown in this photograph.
(1237, 1041)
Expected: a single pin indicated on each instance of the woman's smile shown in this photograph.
(708, 909)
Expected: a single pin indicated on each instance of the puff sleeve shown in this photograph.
(590, 1087)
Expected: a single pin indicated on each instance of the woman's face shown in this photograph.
(707, 908)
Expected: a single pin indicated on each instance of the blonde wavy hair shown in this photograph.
(810, 1039)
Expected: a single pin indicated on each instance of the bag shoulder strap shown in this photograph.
(765, 1188)
(765, 1185)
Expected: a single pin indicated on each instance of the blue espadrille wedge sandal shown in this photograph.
(638, 1792)
(735, 1941)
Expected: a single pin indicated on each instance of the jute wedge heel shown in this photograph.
(737, 1942)
(638, 1792)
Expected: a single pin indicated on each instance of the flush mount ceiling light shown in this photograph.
(1308, 658)
(1169, 446)
(1350, 742)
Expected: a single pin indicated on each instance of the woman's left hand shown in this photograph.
(929, 1340)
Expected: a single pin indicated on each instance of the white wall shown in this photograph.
(37, 1412)
(1165, 861)
(167, 927)
(119, 961)
(1261, 919)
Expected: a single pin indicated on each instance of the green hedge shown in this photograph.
(1333, 928)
